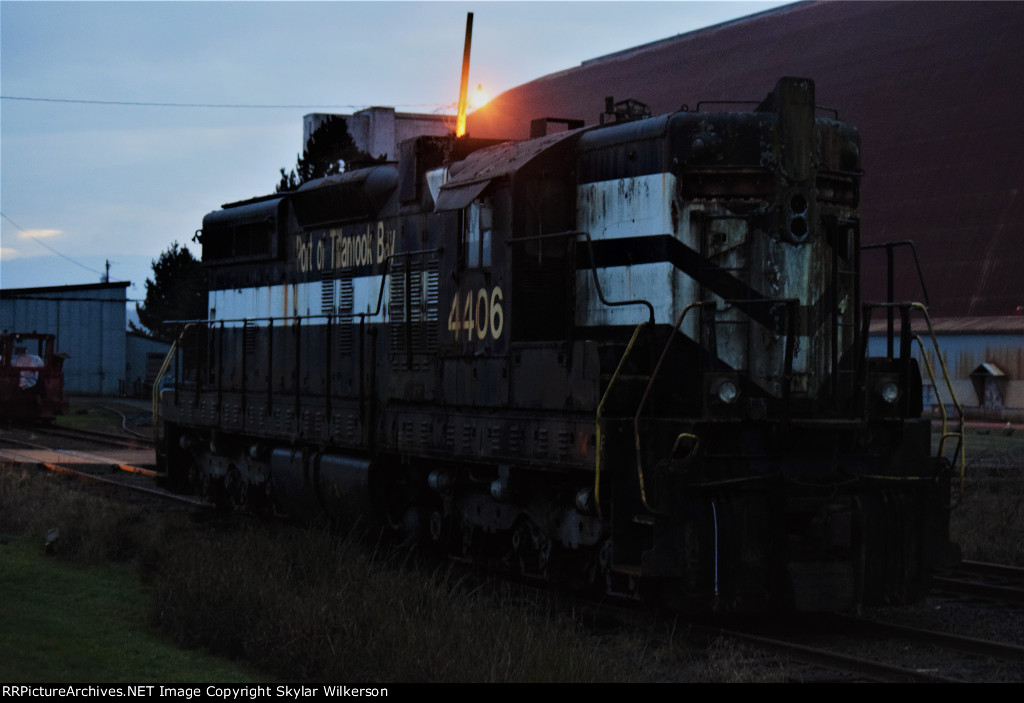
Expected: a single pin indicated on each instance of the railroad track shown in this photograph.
(91, 436)
(967, 645)
(880, 651)
(935, 642)
(93, 466)
(820, 648)
(983, 580)
(830, 663)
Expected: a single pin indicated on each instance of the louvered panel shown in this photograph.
(415, 301)
(346, 304)
(248, 338)
(397, 304)
(327, 293)
(432, 315)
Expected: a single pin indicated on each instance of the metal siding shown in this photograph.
(137, 363)
(963, 353)
(89, 322)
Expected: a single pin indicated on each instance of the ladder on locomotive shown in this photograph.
(845, 277)
(957, 457)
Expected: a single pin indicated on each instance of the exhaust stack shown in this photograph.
(460, 124)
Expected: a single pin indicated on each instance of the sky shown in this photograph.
(102, 161)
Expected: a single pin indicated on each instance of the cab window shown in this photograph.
(476, 235)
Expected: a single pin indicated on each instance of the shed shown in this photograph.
(990, 386)
(89, 323)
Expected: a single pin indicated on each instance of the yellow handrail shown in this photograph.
(961, 452)
(160, 377)
(643, 401)
(686, 435)
(600, 409)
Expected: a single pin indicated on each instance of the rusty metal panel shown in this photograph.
(470, 177)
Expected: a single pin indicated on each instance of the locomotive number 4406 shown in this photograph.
(477, 313)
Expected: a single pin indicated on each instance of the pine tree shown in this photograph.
(177, 291)
(330, 150)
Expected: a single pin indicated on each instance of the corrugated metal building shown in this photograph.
(89, 322)
(144, 356)
(935, 91)
(985, 360)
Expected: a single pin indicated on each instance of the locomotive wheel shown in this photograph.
(440, 529)
(235, 488)
(198, 481)
(525, 547)
(469, 540)
(259, 499)
(213, 490)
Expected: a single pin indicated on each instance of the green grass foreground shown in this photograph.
(294, 603)
(68, 623)
(139, 594)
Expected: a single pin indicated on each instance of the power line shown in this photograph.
(206, 105)
(39, 241)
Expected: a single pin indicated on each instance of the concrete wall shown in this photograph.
(379, 130)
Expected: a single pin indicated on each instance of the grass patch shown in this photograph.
(309, 604)
(299, 604)
(312, 605)
(67, 623)
(108, 415)
(324, 607)
(988, 523)
(296, 603)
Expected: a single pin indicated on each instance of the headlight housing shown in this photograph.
(889, 391)
(723, 390)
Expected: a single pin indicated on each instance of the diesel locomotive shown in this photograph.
(630, 356)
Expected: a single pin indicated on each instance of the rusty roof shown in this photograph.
(935, 89)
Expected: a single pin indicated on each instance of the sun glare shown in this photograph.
(478, 98)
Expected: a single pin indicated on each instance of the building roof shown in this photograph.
(996, 324)
(933, 87)
(988, 369)
(62, 290)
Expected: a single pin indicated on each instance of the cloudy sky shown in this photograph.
(123, 123)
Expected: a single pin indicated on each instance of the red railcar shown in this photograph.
(31, 377)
